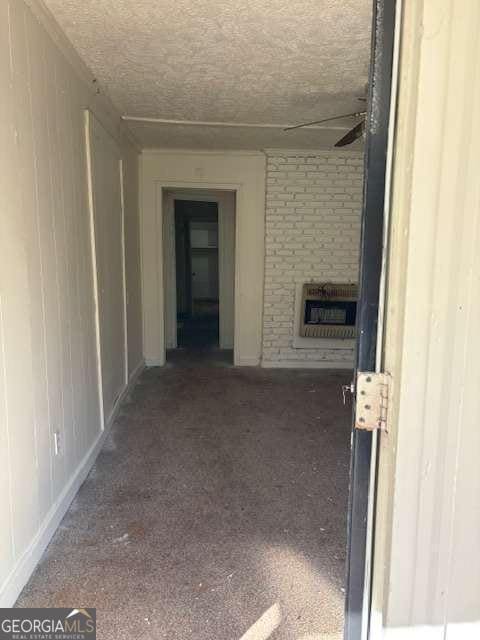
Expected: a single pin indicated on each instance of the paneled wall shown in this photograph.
(50, 427)
(107, 223)
(427, 565)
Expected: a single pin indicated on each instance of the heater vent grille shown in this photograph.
(328, 310)
(328, 331)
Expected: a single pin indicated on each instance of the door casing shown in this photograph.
(226, 261)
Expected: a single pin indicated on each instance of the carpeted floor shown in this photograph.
(216, 510)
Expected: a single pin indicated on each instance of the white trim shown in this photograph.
(48, 21)
(246, 361)
(136, 373)
(124, 269)
(226, 268)
(97, 93)
(221, 198)
(125, 390)
(169, 269)
(91, 216)
(154, 362)
(337, 152)
(140, 248)
(233, 125)
(307, 364)
(172, 185)
(200, 152)
(159, 275)
(26, 563)
(200, 194)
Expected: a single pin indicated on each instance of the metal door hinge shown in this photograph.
(371, 405)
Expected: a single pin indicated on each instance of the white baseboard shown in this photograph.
(27, 562)
(136, 373)
(131, 383)
(154, 362)
(306, 364)
(246, 361)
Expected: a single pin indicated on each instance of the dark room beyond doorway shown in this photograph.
(197, 281)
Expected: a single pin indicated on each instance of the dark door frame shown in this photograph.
(371, 256)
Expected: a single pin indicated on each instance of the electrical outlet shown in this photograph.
(57, 442)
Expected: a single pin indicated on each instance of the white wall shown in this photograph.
(47, 330)
(242, 172)
(427, 565)
(313, 210)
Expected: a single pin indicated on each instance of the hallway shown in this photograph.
(219, 492)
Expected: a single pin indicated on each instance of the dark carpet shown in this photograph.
(215, 511)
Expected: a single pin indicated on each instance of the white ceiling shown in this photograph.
(248, 61)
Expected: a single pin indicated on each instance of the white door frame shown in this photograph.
(124, 270)
(225, 200)
(242, 172)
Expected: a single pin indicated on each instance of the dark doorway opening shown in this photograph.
(197, 280)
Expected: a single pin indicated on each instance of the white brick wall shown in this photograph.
(312, 234)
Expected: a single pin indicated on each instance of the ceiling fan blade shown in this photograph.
(354, 114)
(352, 135)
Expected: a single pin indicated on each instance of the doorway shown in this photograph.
(199, 273)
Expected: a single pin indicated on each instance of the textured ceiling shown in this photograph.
(256, 61)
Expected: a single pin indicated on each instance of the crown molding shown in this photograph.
(98, 95)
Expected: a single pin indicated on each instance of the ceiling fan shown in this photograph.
(355, 132)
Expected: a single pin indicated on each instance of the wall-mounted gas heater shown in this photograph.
(328, 310)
